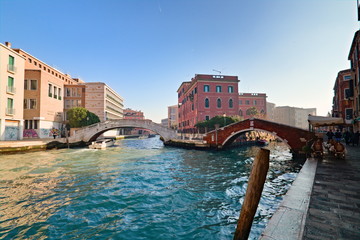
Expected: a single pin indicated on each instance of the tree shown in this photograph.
(252, 112)
(221, 120)
(80, 117)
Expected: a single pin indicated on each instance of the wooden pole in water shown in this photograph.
(253, 194)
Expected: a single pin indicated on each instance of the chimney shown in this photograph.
(8, 44)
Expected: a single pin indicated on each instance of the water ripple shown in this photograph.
(136, 190)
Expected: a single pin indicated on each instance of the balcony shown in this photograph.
(11, 68)
(9, 111)
(10, 89)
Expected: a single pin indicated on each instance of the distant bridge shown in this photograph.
(295, 138)
(92, 132)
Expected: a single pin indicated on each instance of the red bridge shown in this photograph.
(295, 138)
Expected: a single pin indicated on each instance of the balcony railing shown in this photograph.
(50, 94)
(10, 89)
(11, 68)
(10, 111)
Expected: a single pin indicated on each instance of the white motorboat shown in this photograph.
(102, 144)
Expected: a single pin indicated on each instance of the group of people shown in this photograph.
(349, 136)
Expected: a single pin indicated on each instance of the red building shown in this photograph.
(343, 96)
(206, 96)
(132, 114)
(249, 101)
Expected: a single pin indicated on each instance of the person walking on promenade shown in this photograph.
(330, 135)
(338, 135)
(356, 138)
(347, 137)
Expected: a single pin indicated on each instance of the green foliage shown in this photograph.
(252, 111)
(80, 117)
(222, 121)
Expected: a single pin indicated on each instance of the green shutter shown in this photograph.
(11, 60)
(10, 103)
(10, 81)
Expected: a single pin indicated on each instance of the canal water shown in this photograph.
(138, 189)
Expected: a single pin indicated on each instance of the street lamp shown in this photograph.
(224, 115)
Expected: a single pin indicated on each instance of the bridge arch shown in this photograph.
(295, 138)
(235, 135)
(90, 133)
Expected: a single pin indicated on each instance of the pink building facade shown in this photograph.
(205, 97)
(247, 101)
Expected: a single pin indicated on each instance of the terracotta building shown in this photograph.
(247, 101)
(133, 114)
(204, 97)
(354, 57)
(12, 65)
(74, 96)
(43, 96)
(343, 96)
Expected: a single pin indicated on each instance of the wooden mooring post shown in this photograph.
(253, 193)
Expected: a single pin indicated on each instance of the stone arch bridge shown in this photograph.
(295, 138)
(90, 133)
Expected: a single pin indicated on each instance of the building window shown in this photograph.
(32, 104)
(10, 106)
(348, 77)
(25, 84)
(231, 103)
(207, 103)
(11, 64)
(218, 88)
(255, 102)
(68, 92)
(33, 84)
(240, 113)
(59, 93)
(240, 102)
(195, 90)
(207, 118)
(31, 124)
(206, 88)
(230, 89)
(218, 103)
(30, 60)
(50, 90)
(26, 104)
(10, 85)
(55, 92)
(247, 102)
(348, 113)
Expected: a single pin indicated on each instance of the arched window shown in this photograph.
(207, 103)
(231, 103)
(218, 103)
(240, 113)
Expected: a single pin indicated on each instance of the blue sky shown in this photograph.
(290, 50)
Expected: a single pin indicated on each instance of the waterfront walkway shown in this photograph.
(334, 209)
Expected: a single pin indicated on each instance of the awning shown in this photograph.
(318, 121)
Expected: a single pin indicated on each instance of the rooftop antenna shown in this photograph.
(217, 71)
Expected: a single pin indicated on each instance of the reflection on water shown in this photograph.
(135, 190)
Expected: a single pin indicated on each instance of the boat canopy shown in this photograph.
(318, 121)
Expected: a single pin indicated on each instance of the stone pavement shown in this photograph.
(334, 209)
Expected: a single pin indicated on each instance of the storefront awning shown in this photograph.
(317, 121)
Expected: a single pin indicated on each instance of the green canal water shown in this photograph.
(138, 189)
